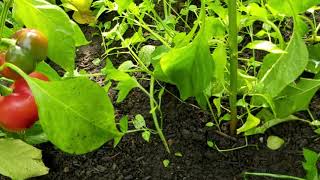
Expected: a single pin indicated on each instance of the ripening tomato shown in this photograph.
(18, 111)
(34, 41)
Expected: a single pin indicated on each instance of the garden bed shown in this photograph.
(185, 129)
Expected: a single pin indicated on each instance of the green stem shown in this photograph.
(212, 113)
(4, 15)
(233, 33)
(165, 9)
(154, 116)
(277, 176)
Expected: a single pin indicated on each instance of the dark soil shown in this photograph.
(184, 127)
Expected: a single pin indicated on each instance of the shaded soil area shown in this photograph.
(184, 127)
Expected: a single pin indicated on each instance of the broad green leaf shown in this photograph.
(215, 28)
(266, 46)
(55, 24)
(78, 36)
(123, 5)
(190, 67)
(287, 68)
(47, 70)
(81, 5)
(299, 6)
(220, 61)
(274, 142)
(255, 10)
(298, 96)
(20, 160)
(314, 59)
(250, 123)
(310, 164)
(76, 114)
(126, 82)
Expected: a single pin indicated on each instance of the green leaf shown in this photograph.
(56, 25)
(126, 66)
(126, 82)
(139, 122)
(285, 69)
(299, 6)
(81, 5)
(310, 164)
(190, 67)
(145, 54)
(20, 160)
(166, 163)
(123, 5)
(78, 36)
(220, 61)
(270, 122)
(146, 136)
(178, 154)
(314, 59)
(76, 114)
(47, 70)
(255, 10)
(266, 46)
(250, 123)
(298, 96)
(35, 135)
(124, 124)
(274, 142)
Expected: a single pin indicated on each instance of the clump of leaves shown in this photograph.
(82, 13)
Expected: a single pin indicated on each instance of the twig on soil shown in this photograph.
(226, 136)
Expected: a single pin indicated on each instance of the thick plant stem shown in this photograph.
(4, 15)
(233, 44)
(154, 116)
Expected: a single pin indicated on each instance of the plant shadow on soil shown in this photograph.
(184, 127)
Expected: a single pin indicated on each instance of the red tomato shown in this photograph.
(19, 111)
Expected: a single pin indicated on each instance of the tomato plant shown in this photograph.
(211, 52)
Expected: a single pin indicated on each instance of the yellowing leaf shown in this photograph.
(20, 160)
(250, 123)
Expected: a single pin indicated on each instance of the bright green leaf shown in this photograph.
(266, 46)
(146, 135)
(250, 123)
(76, 114)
